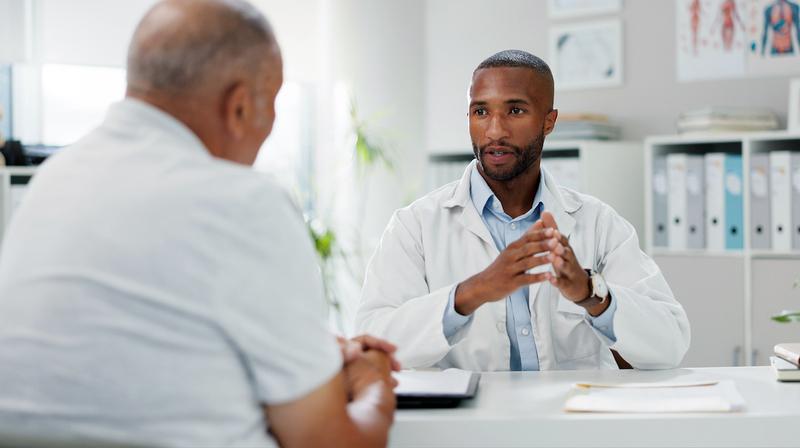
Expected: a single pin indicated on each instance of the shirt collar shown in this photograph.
(482, 194)
(135, 116)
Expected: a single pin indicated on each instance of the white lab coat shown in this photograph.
(440, 240)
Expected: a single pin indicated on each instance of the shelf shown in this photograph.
(768, 254)
(663, 252)
(720, 137)
(756, 254)
(19, 170)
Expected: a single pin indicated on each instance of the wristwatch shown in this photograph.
(598, 290)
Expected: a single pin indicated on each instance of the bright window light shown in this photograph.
(75, 99)
(287, 152)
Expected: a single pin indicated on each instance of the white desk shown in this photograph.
(515, 409)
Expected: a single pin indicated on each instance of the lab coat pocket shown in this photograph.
(573, 337)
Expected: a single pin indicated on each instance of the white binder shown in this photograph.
(677, 200)
(795, 180)
(760, 228)
(715, 201)
(695, 202)
(660, 194)
(780, 163)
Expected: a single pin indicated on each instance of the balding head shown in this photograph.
(184, 45)
(213, 65)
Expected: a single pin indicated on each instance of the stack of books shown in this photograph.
(727, 119)
(584, 127)
(786, 362)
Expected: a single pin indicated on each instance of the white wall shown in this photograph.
(88, 32)
(372, 51)
(461, 33)
(14, 18)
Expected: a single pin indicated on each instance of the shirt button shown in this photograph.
(513, 226)
(525, 332)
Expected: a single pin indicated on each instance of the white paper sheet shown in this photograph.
(710, 396)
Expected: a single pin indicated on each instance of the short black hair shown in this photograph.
(517, 58)
(523, 59)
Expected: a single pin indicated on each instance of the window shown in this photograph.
(287, 152)
(75, 99)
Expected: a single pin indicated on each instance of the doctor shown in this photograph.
(506, 270)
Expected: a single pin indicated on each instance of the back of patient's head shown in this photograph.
(187, 46)
(522, 59)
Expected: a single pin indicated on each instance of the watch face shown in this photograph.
(600, 287)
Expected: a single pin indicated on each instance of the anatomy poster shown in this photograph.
(719, 39)
(712, 39)
(773, 37)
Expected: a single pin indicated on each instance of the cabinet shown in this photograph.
(729, 295)
(13, 184)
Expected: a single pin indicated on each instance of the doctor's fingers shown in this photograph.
(564, 267)
(529, 279)
(529, 249)
(532, 236)
(530, 262)
(548, 220)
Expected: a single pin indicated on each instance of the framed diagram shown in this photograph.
(586, 55)
(576, 8)
(711, 39)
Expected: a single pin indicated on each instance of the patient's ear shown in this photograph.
(550, 121)
(237, 108)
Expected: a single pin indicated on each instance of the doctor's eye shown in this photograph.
(480, 111)
(517, 111)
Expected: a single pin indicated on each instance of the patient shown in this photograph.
(156, 291)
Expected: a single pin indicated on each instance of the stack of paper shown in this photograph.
(714, 396)
(784, 370)
(584, 127)
(727, 119)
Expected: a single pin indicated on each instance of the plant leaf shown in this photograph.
(787, 316)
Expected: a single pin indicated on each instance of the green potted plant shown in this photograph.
(788, 315)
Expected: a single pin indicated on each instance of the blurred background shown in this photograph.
(372, 115)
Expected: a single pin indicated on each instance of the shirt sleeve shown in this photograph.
(604, 323)
(273, 307)
(452, 322)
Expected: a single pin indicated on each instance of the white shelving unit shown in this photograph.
(10, 179)
(729, 295)
(608, 170)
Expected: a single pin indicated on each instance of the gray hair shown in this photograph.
(183, 44)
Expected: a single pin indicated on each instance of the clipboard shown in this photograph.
(435, 389)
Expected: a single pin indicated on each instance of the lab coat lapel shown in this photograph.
(468, 216)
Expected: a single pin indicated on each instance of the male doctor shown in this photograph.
(506, 270)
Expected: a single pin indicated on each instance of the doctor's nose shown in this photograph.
(496, 128)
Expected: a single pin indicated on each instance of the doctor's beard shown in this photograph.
(526, 157)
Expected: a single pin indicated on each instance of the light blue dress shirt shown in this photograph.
(519, 326)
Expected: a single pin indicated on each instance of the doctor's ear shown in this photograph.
(550, 121)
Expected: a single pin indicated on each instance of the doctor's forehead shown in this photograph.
(504, 83)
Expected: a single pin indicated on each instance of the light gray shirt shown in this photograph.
(152, 294)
